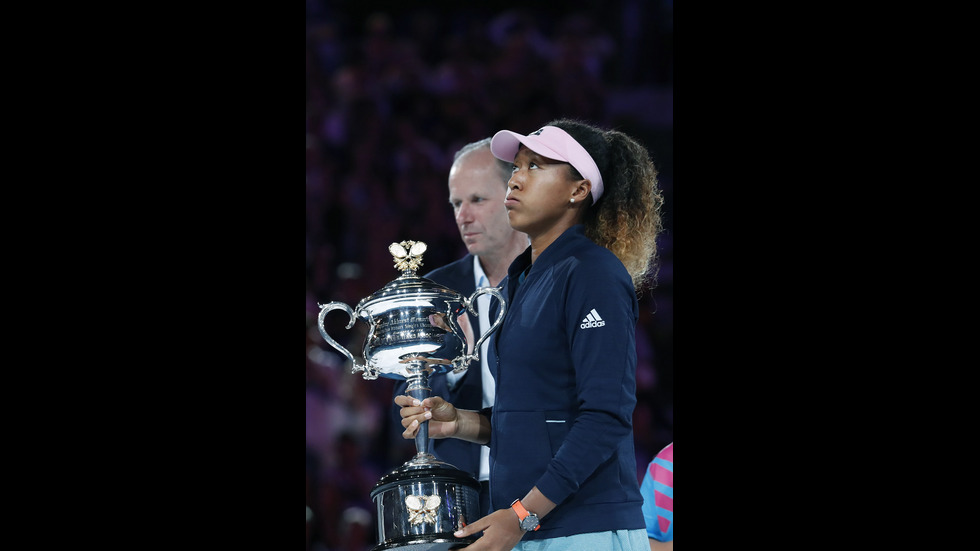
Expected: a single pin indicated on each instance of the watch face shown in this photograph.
(529, 522)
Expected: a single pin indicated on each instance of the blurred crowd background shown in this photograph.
(391, 92)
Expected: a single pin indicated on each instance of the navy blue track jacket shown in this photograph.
(564, 361)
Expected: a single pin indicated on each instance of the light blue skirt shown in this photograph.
(619, 540)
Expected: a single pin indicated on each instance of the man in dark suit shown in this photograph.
(477, 186)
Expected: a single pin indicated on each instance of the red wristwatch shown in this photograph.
(528, 520)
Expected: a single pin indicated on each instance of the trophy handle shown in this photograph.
(368, 373)
(463, 363)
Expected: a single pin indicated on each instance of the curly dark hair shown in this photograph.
(627, 217)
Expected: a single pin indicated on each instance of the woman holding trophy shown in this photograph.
(563, 468)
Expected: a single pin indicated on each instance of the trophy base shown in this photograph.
(438, 544)
(422, 503)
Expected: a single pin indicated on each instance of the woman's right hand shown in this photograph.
(441, 415)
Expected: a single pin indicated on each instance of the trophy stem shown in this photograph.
(418, 388)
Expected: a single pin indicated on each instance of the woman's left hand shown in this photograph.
(501, 531)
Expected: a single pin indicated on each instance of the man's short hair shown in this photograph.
(504, 168)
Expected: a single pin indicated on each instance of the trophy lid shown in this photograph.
(408, 258)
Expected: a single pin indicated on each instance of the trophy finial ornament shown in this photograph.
(407, 254)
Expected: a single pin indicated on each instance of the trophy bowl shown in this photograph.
(400, 329)
(413, 333)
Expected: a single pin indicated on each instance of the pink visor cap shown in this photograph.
(553, 143)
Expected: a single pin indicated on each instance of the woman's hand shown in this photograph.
(442, 416)
(501, 531)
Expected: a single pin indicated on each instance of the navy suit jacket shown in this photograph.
(468, 392)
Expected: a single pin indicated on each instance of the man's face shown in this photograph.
(476, 193)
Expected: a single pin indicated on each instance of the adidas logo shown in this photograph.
(592, 320)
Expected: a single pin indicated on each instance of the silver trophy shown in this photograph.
(421, 503)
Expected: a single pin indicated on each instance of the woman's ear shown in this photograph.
(582, 191)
